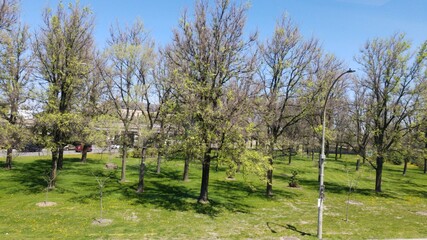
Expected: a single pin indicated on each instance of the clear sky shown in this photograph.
(342, 26)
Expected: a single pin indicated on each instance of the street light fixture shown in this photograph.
(323, 158)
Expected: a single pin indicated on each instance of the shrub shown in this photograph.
(293, 182)
(137, 153)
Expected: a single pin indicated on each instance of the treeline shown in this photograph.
(208, 93)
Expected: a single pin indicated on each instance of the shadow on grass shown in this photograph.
(30, 176)
(91, 187)
(181, 198)
(273, 226)
(331, 187)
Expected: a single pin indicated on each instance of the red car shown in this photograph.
(79, 148)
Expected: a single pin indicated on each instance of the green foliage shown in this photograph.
(47, 124)
(13, 136)
(396, 157)
(293, 181)
(137, 152)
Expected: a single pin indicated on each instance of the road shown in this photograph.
(46, 152)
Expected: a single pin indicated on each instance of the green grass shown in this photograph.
(238, 209)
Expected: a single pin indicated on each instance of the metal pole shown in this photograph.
(321, 182)
(322, 161)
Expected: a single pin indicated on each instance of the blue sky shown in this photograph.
(342, 26)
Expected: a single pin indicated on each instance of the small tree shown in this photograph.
(49, 179)
(101, 180)
(352, 182)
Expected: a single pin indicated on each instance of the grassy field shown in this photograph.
(238, 209)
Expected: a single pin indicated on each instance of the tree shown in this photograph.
(392, 77)
(93, 104)
(208, 57)
(8, 14)
(287, 64)
(154, 127)
(63, 48)
(359, 135)
(15, 67)
(129, 57)
(162, 91)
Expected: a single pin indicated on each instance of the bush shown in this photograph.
(137, 152)
(395, 157)
(293, 182)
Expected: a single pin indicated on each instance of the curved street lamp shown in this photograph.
(323, 158)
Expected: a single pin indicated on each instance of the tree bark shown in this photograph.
(290, 156)
(142, 169)
(9, 152)
(123, 172)
(270, 179)
(159, 160)
(357, 164)
(341, 151)
(379, 172)
(185, 176)
(327, 148)
(203, 198)
(405, 167)
(312, 155)
(336, 151)
(84, 153)
(54, 169)
(60, 157)
(425, 165)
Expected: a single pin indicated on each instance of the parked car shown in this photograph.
(69, 147)
(32, 148)
(79, 147)
(115, 146)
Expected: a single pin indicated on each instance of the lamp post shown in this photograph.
(323, 158)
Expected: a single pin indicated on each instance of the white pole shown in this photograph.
(322, 161)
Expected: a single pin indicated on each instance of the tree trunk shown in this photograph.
(290, 156)
(9, 152)
(60, 157)
(159, 160)
(425, 165)
(239, 165)
(203, 198)
(378, 173)
(269, 191)
(186, 168)
(84, 153)
(336, 151)
(357, 164)
(312, 155)
(54, 169)
(327, 147)
(142, 171)
(341, 151)
(123, 172)
(405, 167)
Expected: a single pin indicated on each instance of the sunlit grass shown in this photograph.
(238, 209)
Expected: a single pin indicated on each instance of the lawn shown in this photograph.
(238, 208)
